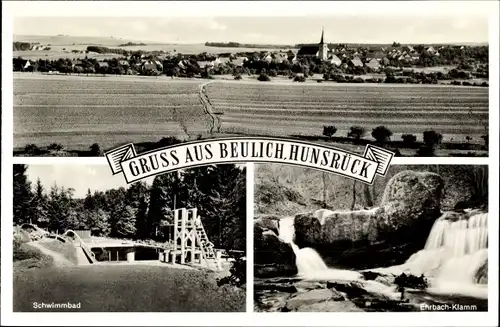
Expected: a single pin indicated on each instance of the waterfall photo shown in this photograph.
(414, 240)
(86, 241)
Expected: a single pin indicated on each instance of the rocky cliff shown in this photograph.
(385, 235)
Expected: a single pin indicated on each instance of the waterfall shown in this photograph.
(309, 263)
(454, 251)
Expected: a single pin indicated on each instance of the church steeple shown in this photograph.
(322, 47)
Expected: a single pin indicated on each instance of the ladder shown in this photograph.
(207, 248)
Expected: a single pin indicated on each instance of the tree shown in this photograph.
(409, 139)
(166, 193)
(39, 206)
(55, 147)
(21, 195)
(95, 150)
(263, 77)
(382, 134)
(353, 203)
(31, 149)
(125, 225)
(329, 131)
(356, 132)
(97, 221)
(432, 138)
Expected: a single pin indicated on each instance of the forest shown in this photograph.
(141, 211)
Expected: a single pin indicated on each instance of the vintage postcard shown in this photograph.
(278, 163)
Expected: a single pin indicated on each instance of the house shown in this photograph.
(123, 63)
(409, 48)
(268, 57)
(221, 61)
(356, 62)
(281, 56)
(205, 64)
(21, 64)
(148, 65)
(430, 50)
(334, 60)
(239, 61)
(319, 51)
(102, 64)
(378, 55)
(385, 61)
(373, 64)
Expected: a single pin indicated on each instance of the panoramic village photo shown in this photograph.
(85, 241)
(415, 85)
(414, 240)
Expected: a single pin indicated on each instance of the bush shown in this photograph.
(95, 150)
(237, 77)
(31, 149)
(263, 77)
(432, 138)
(484, 84)
(299, 79)
(55, 147)
(238, 273)
(358, 80)
(382, 134)
(409, 139)
(329, 131)
(456, 83)
(356, 132)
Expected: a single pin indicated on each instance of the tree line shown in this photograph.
(140, 212)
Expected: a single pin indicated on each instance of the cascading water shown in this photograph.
(453, 254)
(308, 261)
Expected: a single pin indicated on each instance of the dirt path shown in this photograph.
(59, 259)
(207, 106)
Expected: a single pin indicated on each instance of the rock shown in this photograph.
(389, 233)
(481, 276)
(308, 298)
(267, 222)
(330, 306)
(274, 270)
(287, 288)
(272, 256)
(370, 275)
(337, 296)
(410, 196)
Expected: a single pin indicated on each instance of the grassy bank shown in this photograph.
(27, 257)
(67, 249)
(137, 288)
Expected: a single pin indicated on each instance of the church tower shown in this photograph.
(323, 47)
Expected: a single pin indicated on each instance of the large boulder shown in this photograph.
(272, 256)
(390, 232)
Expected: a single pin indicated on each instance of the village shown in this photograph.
(396, 63)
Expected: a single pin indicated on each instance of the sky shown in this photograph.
(79, 177)
(429, 28)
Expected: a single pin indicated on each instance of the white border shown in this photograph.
(234, 8)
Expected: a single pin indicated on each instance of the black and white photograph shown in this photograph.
(84, 241)
(415, 240)
(224, 163)
(415, 84)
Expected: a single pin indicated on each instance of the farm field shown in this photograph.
(79, 111)
(284, 109)
(61, 47)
